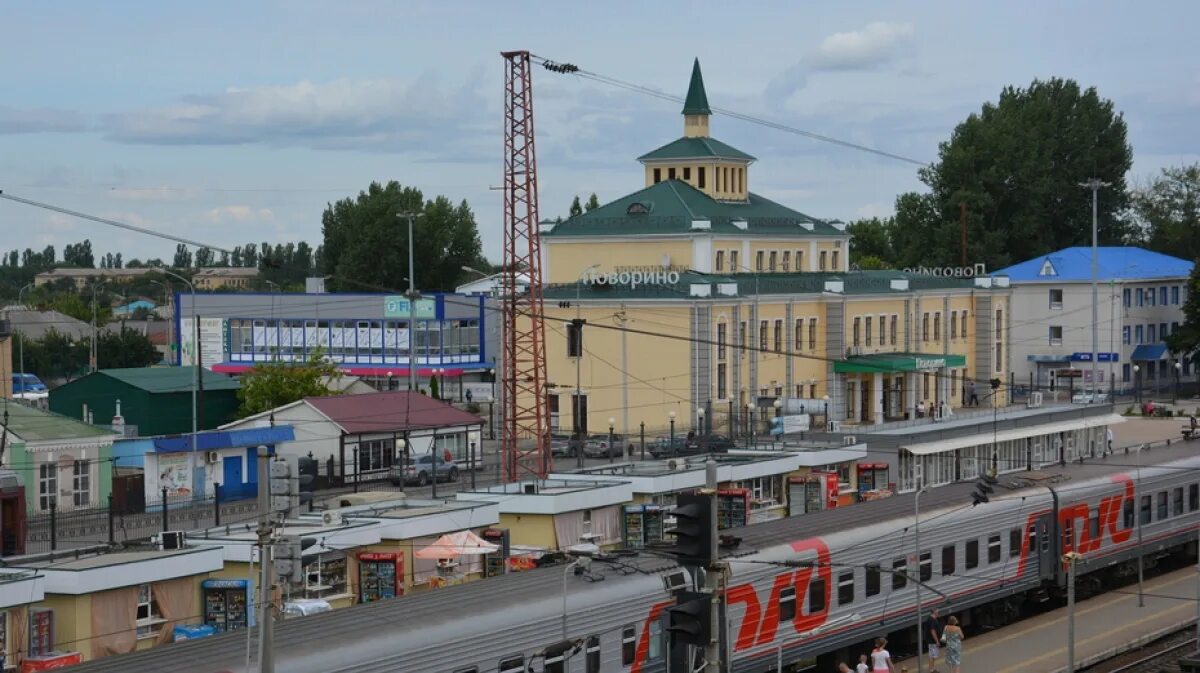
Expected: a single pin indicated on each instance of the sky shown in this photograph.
(237, 122)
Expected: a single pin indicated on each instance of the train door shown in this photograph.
(1042, 544)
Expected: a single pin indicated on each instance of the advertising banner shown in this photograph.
(175, 473)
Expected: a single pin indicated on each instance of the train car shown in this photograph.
(822, 584)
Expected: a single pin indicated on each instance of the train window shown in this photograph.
(993, 549)
(872, 579)
(1162, 505)
(591, 652)
(1127, 511)
(628, 644)
(514, 664)
(1094, 526)
(816, 597)
(656, 640)
(1014, 542)
(1144, 511)
(948, 560)
(469, 669)
(926, 567)
(972, 554)
(846, 588)
(787, 604)
(1068, 534)
(1044, 536)
(1177, 501)
(1193, 497)
(899, 579)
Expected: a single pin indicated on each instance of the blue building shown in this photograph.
(1140, 302)
(453, 336)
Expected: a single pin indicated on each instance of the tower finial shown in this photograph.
(696, 102)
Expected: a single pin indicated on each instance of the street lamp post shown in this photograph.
(21, 344)
(828, 427)
(1178, 371)
(1137, 384)
(778, 404)
(611, 444)
(750, 421)
(917, 541)
(412, 303)
(671, 416)
(195, 367)
(389, 380)
(491, 417)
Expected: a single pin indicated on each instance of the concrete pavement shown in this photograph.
(1105, 626)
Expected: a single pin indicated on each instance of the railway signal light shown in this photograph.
(694, 523)
(985, 485)
(288, 554)
(689, 622)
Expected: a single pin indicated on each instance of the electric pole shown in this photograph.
(1094, 184)
(1071, 558)
(714, 574)
(266, 616)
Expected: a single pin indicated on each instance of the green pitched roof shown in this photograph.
(695, 148)
(169, 379)
(696, 102)
(34, 425)
(670, 207)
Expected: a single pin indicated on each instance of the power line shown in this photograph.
(569, 69)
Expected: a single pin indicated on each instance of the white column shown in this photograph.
(912, 394)
(877, 394)
(812, 256)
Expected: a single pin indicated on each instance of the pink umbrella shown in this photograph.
(452, 545)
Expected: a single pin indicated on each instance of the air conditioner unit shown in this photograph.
(172, 539)
(1034, 401)
(849, 440)
(212, 457)
(332, 517)
(835, 426)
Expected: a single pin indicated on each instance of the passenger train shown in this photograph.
(856, 581)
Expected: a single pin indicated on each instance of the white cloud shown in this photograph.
(373, 115)
(239, 213)
(871, 46)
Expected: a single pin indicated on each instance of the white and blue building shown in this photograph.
(1140, 302)
(374, 336)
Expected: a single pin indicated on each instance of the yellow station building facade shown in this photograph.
(705, 300)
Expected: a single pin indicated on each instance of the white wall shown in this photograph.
(313, 432)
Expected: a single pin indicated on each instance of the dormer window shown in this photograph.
(637, 208)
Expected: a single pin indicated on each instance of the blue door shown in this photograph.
(232, 486)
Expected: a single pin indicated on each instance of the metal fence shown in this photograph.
(77, 527)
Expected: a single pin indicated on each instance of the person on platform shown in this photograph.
(862, 666)
(952, 637)
(933, 631)
(973, 397)
(921, 409)
(881, 659)
(843, 668)
(1109, 434)
(1192, 421)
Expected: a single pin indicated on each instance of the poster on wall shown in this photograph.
(213, 341)
(175, 473)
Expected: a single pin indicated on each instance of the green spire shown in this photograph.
(696, 102)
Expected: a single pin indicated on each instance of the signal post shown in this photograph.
(694, 620)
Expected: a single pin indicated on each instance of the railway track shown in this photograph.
(1159, 656)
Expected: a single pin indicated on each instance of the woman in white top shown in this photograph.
(881, 659)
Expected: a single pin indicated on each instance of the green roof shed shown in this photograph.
(158, 400)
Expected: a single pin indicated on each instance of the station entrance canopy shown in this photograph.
(897, 362)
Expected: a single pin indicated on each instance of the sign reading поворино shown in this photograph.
(979, 270)
(929, 363)
(633, 277)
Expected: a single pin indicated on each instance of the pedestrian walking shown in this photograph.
(881, 659)
(973, 400)
(952, 636)
(1109, 434)
(862, 666)
(933, 631)
(843, 668)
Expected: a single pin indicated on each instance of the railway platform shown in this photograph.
(1106, 625)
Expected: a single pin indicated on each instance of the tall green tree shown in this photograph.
(273, 384)
(1167, 212)
(126, 348)
(1017, 165)
(592, 203)
(871, 238)
(1186, 339)
(575, 209)
(365, 240)
(183, 257)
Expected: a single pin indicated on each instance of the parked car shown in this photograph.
(597, 446)
(710, 444)
(423, 468)
(666, 448)
(561, 446)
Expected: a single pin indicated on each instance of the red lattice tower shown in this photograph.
(525, 443)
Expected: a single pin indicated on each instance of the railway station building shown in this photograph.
(707, 304)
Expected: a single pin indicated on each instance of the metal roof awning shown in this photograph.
(955, 443)
(1149, 352)
(897, 362)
